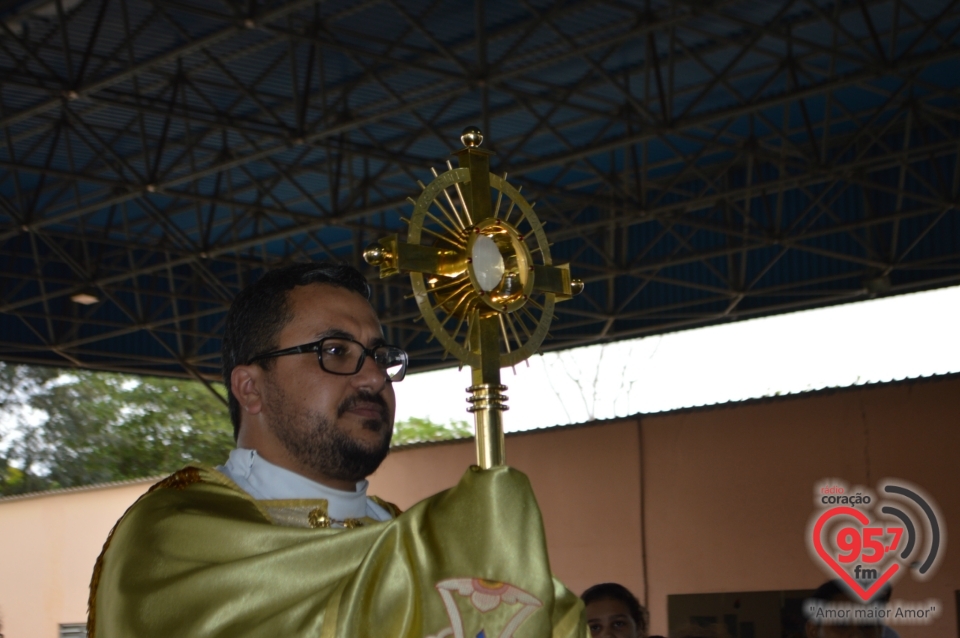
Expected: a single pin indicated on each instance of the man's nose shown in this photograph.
(371, 376)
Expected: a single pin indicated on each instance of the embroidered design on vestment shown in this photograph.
(179, 480)
(485, 596)
(319, 520)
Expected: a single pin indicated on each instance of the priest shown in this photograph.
(283, 539)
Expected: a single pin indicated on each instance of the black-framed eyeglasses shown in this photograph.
(346, 356)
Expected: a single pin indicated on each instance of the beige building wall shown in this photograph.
(727, 491)
(48, 545)
(730, 490)
(717, 498)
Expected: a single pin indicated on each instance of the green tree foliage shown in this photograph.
(106, 427)
(97, 427)
(416, 430)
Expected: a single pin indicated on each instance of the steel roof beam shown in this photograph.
(178, 52)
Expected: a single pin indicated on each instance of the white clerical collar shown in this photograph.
(265, 481)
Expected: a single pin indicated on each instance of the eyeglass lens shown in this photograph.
(343, 356)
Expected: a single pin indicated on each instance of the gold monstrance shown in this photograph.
(482, 262)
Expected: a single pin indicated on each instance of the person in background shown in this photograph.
(833, 591)
(882, 598)
(613, 612)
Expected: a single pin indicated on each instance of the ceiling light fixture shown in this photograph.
(85, 297)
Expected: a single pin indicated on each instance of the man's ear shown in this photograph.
(245, 386)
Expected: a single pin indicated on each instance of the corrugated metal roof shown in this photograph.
(696, 162)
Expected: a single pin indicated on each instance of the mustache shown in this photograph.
(363, 397)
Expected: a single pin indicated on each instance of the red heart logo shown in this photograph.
(864, 594)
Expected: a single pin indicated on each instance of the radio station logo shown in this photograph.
(870, 539)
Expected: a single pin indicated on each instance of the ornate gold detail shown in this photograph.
(482, 277)
(489, 584)
(387, 505)
(319, 520)
(376, 255)
(486, 397)
(471, 137)
(179, 480)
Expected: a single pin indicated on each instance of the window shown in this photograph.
(957, 596)
(73, 630)
(741, 614)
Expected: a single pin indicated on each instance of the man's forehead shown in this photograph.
(322, 308)
(331, 297)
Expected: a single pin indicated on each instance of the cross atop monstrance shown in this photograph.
(477, 260)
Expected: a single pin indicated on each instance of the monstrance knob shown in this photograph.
(471, 137)
(374, 255)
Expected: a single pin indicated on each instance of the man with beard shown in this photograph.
(283, 540)
(302, 432)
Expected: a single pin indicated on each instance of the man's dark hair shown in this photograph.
(830, 590)
(614, 591)
(260, 311)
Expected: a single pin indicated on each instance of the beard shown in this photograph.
(318, 443)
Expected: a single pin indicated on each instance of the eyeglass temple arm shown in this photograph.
(309, 347)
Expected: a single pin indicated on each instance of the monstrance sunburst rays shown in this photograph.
(482, 276)
(443, 221)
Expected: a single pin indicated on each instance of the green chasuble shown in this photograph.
(198, 557)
